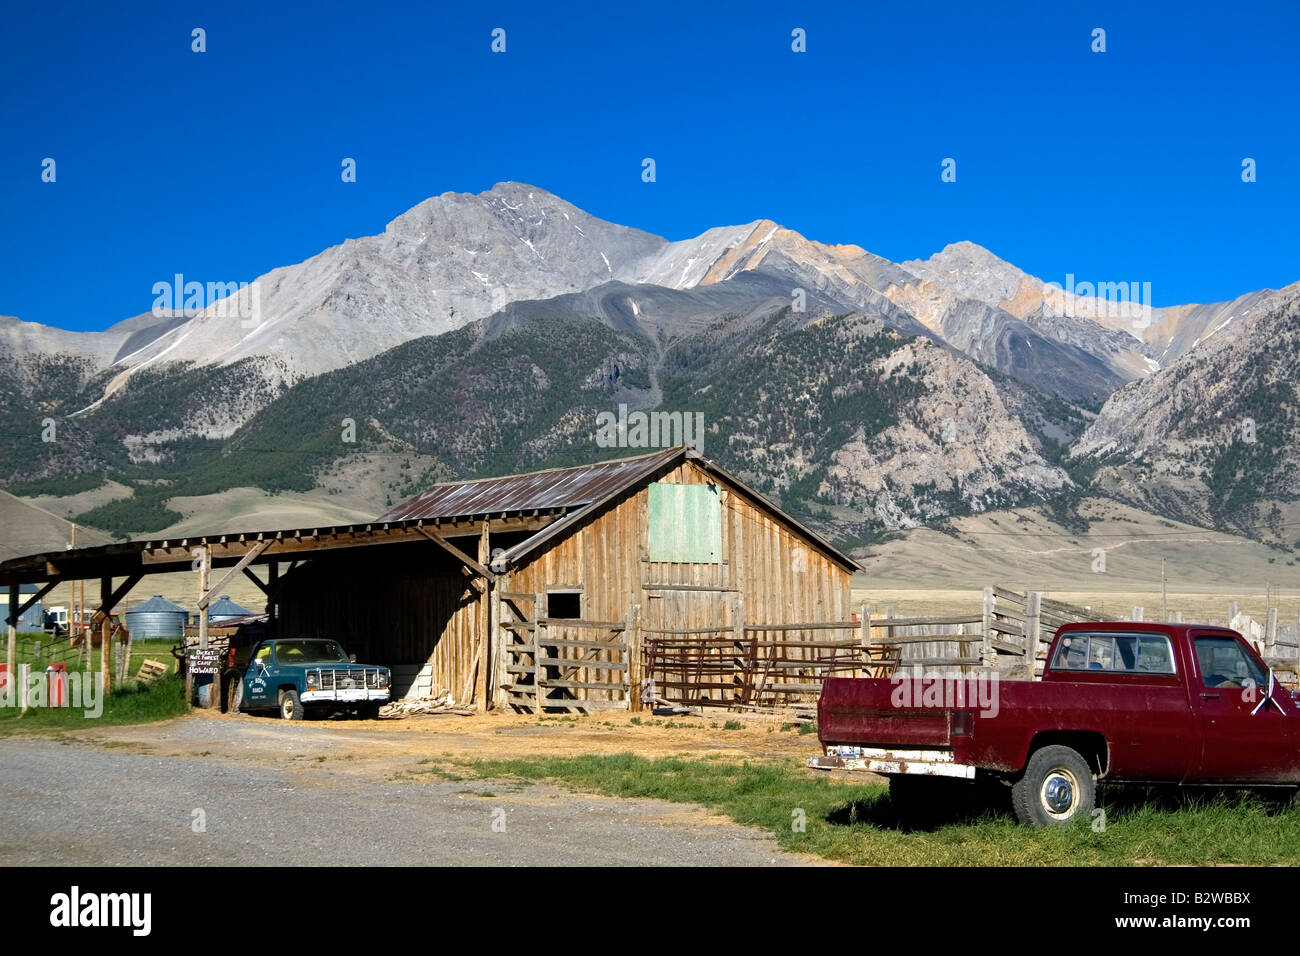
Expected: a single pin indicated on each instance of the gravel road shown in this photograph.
(295, 799)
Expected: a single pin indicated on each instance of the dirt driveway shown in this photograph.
(268, 791)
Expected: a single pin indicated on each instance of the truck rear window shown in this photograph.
(1116, 652)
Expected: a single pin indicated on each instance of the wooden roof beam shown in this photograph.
(454, 551)
(253, 554)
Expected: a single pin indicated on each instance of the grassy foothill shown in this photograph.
(857, 824)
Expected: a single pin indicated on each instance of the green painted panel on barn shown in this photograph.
(685, 523)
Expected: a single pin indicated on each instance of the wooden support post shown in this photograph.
(249, 557)
(485, 616)
(1232, 612)
(986, 648)
(500, 638)
(11, 652)
(21, 680)
(272, 597)
(1033, 621)
(205, 570)
(205, 566)
(105, 633)
(1270, 633)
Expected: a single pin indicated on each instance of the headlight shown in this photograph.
(311, 680)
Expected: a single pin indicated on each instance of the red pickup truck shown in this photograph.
(1126, 702)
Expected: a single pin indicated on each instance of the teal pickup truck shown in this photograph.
(294, 675)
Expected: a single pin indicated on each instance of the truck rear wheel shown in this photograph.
(1057, 787)
(291, 705)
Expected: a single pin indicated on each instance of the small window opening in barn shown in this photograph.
(564, 604)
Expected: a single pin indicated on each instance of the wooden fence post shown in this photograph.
(986, 648)
(1270, 633)
(864, 637)
(889, 635)
(1033, 618)
(539, 634)
(632, 637)
(742, 673)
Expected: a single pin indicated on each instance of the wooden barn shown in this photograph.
(605, 586)
(595, 587)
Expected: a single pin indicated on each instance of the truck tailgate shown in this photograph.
(857, 711)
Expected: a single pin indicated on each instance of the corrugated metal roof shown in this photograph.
(227, 608)
(157, 604)
(540, 490)
(571, 493)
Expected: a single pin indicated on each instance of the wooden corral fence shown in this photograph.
(588, 666)
(563, 664)
(756, 667)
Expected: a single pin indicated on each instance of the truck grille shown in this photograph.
(347, 678)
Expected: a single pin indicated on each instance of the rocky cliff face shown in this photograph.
(1214, 437)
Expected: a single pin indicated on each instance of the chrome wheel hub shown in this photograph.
(1058, 792)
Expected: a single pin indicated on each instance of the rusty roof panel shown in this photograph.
(561, 488)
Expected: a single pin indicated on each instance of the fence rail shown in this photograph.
(781, 667)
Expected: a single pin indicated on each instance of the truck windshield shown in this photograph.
(309, 652)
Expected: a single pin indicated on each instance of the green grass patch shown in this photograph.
(857, 823)
(132, 702)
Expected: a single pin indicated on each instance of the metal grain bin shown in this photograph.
(156, 617)
(225, 610)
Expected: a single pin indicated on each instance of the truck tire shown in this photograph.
(291, 707)
(234, 694)
(1056, 788)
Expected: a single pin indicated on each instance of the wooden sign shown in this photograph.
(203, 662)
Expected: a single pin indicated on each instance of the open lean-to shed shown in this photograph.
(594, 587)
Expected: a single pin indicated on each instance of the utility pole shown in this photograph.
(1164, 593)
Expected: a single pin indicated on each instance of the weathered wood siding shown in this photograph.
(778, 576)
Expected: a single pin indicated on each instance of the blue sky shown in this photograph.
(1124, 165)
